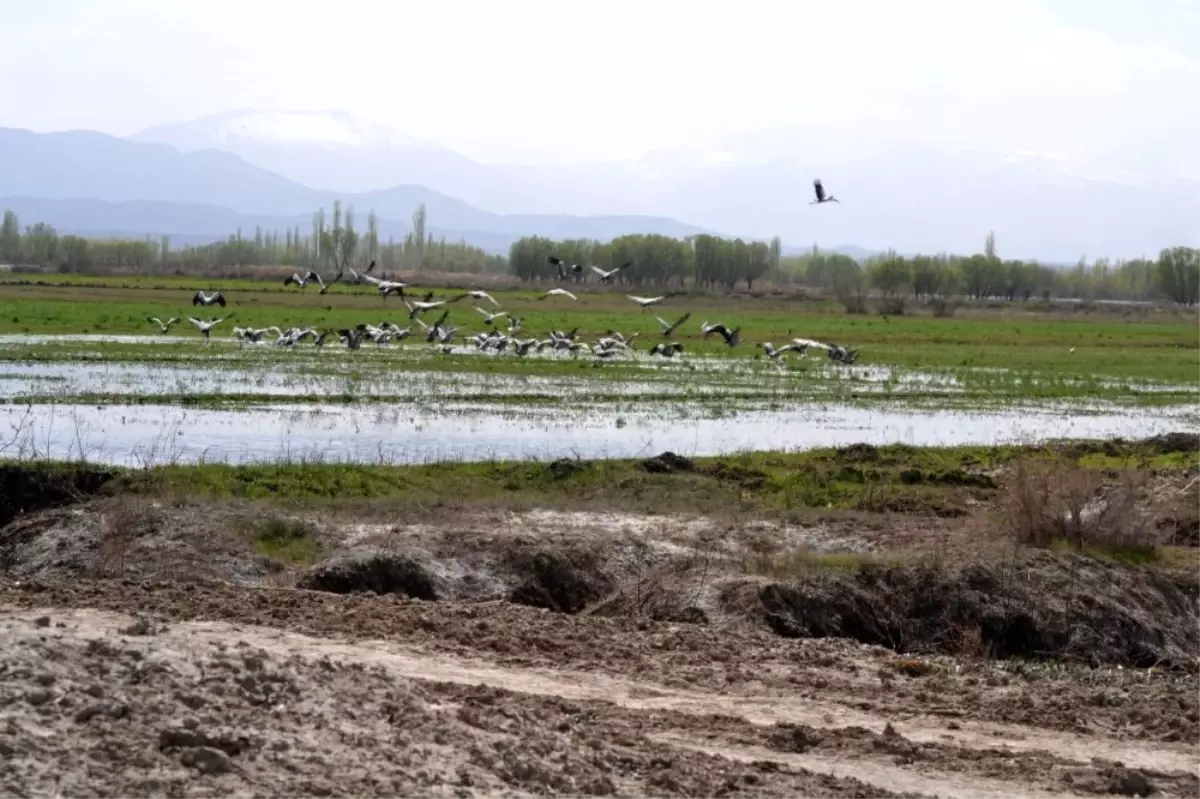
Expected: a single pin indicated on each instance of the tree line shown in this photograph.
(662, 262)
(707, 261)
(334, 240)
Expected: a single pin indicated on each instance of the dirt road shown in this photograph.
(112, 687)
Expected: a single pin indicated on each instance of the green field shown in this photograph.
(1029, 347)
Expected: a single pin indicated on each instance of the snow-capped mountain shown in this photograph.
(327, 149)
(250, 127)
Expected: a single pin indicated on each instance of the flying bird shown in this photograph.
(646, 302)
(730, 336)
(480, 294)
(821, 198)
(773, 353)
(304, 281)
(669, 328)
(206, 326)
(385, 287)
(165, 326)
(606, 277)
(558, 293)
(562, 266)
(489, 318)
(208, 299)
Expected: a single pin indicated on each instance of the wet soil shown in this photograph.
(162, 645)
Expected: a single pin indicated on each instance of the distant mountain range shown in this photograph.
(896, 193)
(83, 181)
(207, 177)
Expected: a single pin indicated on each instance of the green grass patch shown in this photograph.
(796, 564)
(287, 540)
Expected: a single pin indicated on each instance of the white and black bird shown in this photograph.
(428, 304)
(490, 318)
(164, 326)
(562, 267)
(215, 298)
(480, 294)
(821, 197)
(646, 302)
(667, 349)
(773, 353)
(206, 325)
(309, 276)
(606, 277)
(558, 293)
(801, 345)
(730, 336)
(668, 328)
(385, 287)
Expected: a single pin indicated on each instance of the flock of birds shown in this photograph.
(442, 334)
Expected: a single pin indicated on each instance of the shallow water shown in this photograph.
(144, 435)
(306, 373)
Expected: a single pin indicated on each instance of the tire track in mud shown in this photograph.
(988, 740)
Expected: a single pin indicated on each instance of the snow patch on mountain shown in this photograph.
(330, 129)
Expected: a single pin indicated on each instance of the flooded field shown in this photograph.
(142, 399)
(155, 434)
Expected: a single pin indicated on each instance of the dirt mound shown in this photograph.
(24, 489)
(562, 580)
(1174, 442)
(856, 452)
(566, 467)
(1164, 444)
(375, 573)
(132, 538)
(667, 463)
(1047, 606)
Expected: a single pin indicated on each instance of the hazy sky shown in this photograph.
(524, 80)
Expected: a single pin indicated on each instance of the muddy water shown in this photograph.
(139, 435)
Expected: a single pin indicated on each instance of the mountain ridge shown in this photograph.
(898, 191)
(86, 165)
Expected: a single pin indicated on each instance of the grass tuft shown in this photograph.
(288, 540)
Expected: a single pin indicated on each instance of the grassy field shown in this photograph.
(1122, 346)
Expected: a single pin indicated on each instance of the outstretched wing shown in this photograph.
(819, 189)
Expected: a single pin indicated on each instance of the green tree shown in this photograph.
(10, 237)
(891, 275)
(1179, 275)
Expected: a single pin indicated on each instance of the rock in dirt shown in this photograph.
(206, 760)
(1130, 782)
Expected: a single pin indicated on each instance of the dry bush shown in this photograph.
(125, 520)
(1050, 501)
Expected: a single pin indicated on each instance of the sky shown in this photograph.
(588, 80)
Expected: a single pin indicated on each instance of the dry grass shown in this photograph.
(1057, 503)
(125, 520)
